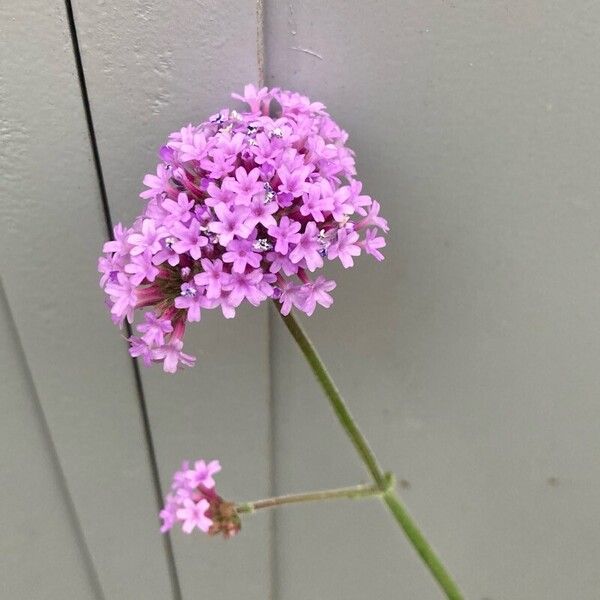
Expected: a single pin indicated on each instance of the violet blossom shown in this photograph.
(193, 502)
(241, 208)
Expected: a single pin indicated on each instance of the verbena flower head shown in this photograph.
(244, 207)
(194, 503)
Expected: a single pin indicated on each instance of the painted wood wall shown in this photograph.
(470, 355)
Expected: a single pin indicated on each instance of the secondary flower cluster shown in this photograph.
(194, 502)
(243, 207)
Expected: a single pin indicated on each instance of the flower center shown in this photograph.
(262, 245)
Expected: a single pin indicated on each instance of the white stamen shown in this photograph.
(189, 291)
(262, 245)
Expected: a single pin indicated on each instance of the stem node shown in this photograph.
(389, 480)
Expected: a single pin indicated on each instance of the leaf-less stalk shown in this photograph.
(381, 480)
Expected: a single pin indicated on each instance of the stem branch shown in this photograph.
(381, 479)
(354, 492)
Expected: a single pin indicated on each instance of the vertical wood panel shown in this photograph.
(152, 67)
(52, 227)
(470, 356)
(42, 556)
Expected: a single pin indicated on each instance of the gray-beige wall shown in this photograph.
(470, 355)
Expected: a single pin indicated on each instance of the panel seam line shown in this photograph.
(54, 456)
(150, 449)
(272, 471)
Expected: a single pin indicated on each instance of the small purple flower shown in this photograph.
(286, 233)
(167, 252)
(219, 164)
(293, 182)
(285, 199)
(180, 478)
(141, 268)
(281, 262)
(179, 211)
(230, 223)
(227, 307)
(189, 239)
(168, 514)
(218, 195)
(313, 204)
(341, 207)
(109, 266)
(357, 200)
(119, 245)
(212, 276)
(171, 355)
(190, 299)
(230, 144)
(156, 184)
(253, 97)
(261, 213)
(266, 151)
(291, 295)
(345, 247)
(123, 295)
(372, 243)
(194, 148)
(193, 514)
(245, 185)
(374, 219)
(202, 474)
(315, 293)
(308, 247)
(338, 200)
(240, 253)
(245, 286)
(154, 328)
(139, 348)
(148, 239)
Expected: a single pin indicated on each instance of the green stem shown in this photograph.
(390, 496)
(354, 492)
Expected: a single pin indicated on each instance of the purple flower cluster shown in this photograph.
(191, 496)
(243, 207)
